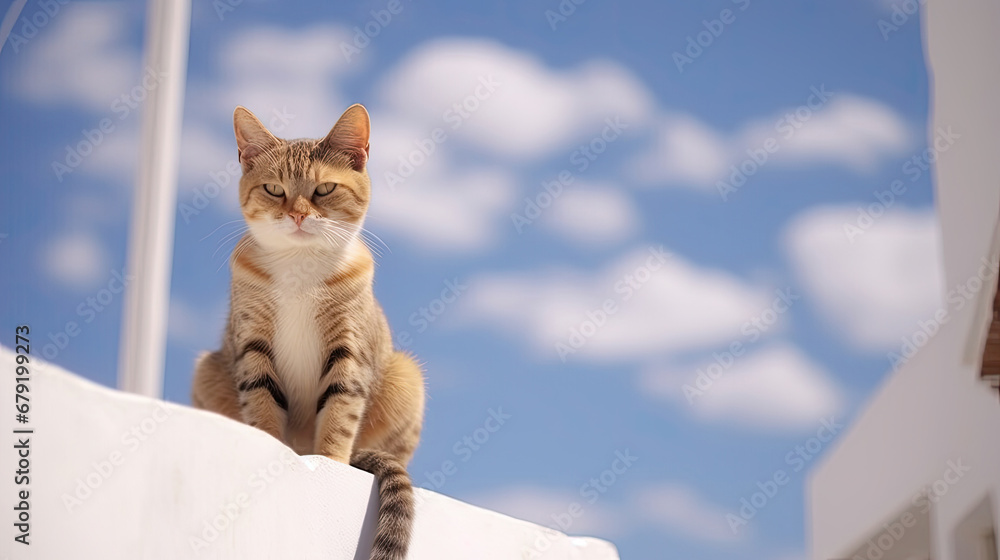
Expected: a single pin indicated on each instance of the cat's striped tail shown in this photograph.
(396, 508)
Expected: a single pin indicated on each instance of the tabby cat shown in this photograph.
(307, 354)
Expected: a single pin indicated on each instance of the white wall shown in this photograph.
(935, 409)
(929, 413)
(119, 476)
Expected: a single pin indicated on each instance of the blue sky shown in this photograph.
(522, 280)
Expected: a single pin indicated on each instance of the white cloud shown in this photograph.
(87, 209)
(542, 505)
(775, 389)
(875, 289)
(289, 78)
(204, 159)
(851, 131)
(80, 59)
(527, 111)
(680, 510)
(399, 147)
(685, 150)
(592, 215)
(441, 206)
(672, 507)
(271, 69)
(679, 306)
(78, 261)
(117, 156)
(461, 212)
(530, 111)
(195, 326)
(84, 58)
(202, 151)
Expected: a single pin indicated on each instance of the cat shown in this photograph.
(307, 354)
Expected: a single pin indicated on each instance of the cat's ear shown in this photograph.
(350, 136)
(252, 137)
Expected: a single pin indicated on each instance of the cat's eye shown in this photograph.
(274, 190)
(325, 189)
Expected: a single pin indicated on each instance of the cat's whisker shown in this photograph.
(229, 238)
(366, 236)
(239, 229)
(330, 229)
(337, 231)
(218, 228)
(236, 253)
(224, 257)
(370, 244)
(370, 233)
(374, 249)
(329, 238)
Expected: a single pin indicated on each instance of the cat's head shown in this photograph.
(304, 193)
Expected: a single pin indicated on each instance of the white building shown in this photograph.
(917, 476)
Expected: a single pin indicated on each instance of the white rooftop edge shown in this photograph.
(119, 476)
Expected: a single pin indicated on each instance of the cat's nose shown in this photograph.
(297, 217)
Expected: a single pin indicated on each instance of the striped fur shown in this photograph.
(395, 512)
(307, 354)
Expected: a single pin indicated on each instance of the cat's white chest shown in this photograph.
(298, 357)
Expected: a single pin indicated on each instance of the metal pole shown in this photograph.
(151, 238)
